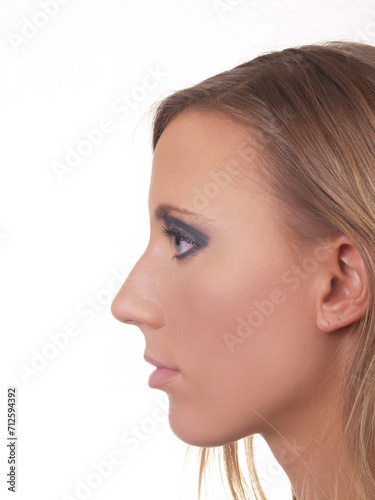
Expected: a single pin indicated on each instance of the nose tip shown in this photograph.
(117, 311)
(122, 309)
(140, 299)
(133, 307)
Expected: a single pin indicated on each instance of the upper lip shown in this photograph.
(157, 363)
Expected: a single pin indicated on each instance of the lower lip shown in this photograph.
(161, 376)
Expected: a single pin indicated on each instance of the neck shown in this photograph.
(312, 455)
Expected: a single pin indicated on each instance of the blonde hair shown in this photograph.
(312, 109)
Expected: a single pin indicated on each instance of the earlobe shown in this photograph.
(343, 287)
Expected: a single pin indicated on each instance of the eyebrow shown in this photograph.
(162, 210)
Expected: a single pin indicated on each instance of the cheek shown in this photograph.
(229, 309)
(228, 329)
(238, 345)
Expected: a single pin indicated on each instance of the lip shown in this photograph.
(162, 375)
(157, 364)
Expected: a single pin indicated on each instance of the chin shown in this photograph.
(193, 434)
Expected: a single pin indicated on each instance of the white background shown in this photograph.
(67, 241)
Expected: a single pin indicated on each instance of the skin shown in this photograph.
(280, 378)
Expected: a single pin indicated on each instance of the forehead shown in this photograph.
(199, 161)
(203, 132)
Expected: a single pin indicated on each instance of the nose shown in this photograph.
(139, 301)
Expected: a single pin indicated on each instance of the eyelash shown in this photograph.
(170, 233)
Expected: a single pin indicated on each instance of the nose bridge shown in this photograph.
(139, 298)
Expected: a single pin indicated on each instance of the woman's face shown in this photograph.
(235, 314)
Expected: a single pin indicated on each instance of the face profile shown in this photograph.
(248, 321)
(188, 309)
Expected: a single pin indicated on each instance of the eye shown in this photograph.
(180, 241)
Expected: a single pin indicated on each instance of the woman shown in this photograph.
(256, 291)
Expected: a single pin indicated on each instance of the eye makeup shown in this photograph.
(175, 227)
(180, 237)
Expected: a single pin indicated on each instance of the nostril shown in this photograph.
(133, 308)
(121, 314)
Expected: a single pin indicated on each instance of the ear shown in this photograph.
(342, 286)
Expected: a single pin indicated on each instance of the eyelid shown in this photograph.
(184, 236)
(193, 233)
